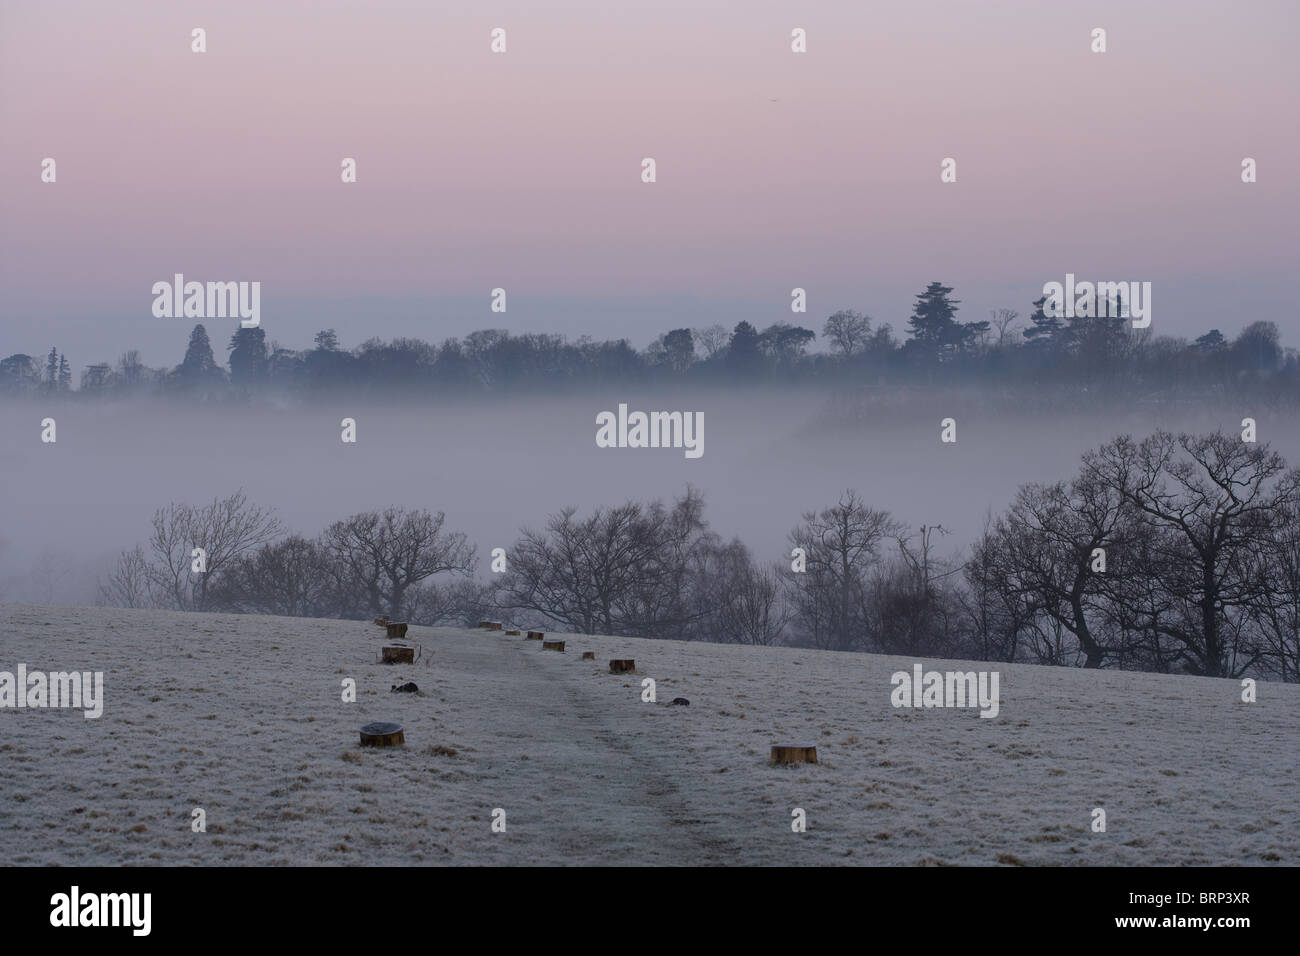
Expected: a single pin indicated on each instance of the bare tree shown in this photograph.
(713, 339)
(997, 612)
(289, 577)
(1277, 611)
(379, 556)
(848, 332)
(128, 582)
(910, 604)
(623, 570)
(225, 530)
(459, 603)
(1046, 547)
(1211, 500)
(841, 543)
(740, 602)
(1004, 321)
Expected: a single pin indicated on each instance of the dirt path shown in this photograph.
(559, 721)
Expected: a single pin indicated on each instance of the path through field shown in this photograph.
(243, 717)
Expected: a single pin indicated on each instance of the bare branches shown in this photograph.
(380, 556)
(223, 531)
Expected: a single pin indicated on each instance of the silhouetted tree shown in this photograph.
(848, 332)
(1211, 501)
(226, 529)
(289, 577)
(623, 570)
(1045, 332)
(936, 335)
(248, 358)
(679, 350)
(19, 375)
(198, 370)
(784, 344)
(1257, 348)
(381, 555)
(1211, 341)
(744, 355)
(327, 341)
(841, 545)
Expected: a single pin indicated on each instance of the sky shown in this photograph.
(522, 170)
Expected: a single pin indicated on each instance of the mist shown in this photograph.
(497, 465)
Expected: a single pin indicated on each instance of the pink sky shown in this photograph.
(522, 170)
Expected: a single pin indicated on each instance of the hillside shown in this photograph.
(243, 717)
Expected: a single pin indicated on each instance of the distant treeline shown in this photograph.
(1174, 554)
(1004, 349)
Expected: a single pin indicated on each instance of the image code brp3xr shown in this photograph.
(649, 435)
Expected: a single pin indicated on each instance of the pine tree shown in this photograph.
(743, 354)
(52, 369)
(65, 374)
(248, 359)
(1044, 330)
(198, 369)
(198, 355)
(1211, 341)
(934, 330)
(1096, 342)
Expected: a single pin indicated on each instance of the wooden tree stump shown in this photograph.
(622, 666)
(553, 645)
(490, 625)
(399, 655)
(588, 655)
(396, 628)
(382, 734)
(512, 633)
(536, 635)
(794, 754)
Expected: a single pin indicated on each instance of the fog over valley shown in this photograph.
(497, 464)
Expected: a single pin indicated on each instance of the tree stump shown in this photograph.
(382, 734)
(399, 655)
(536, 635)
(512, 633)
(794, 754)
(396, 628)
(490, 625)
(622, 666)
(553, 645)
(588, 655)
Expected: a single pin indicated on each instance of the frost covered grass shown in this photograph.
(243, 716)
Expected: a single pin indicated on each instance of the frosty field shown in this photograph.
(243, 717)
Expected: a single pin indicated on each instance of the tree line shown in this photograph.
(1005, 348)
(1173, 554)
